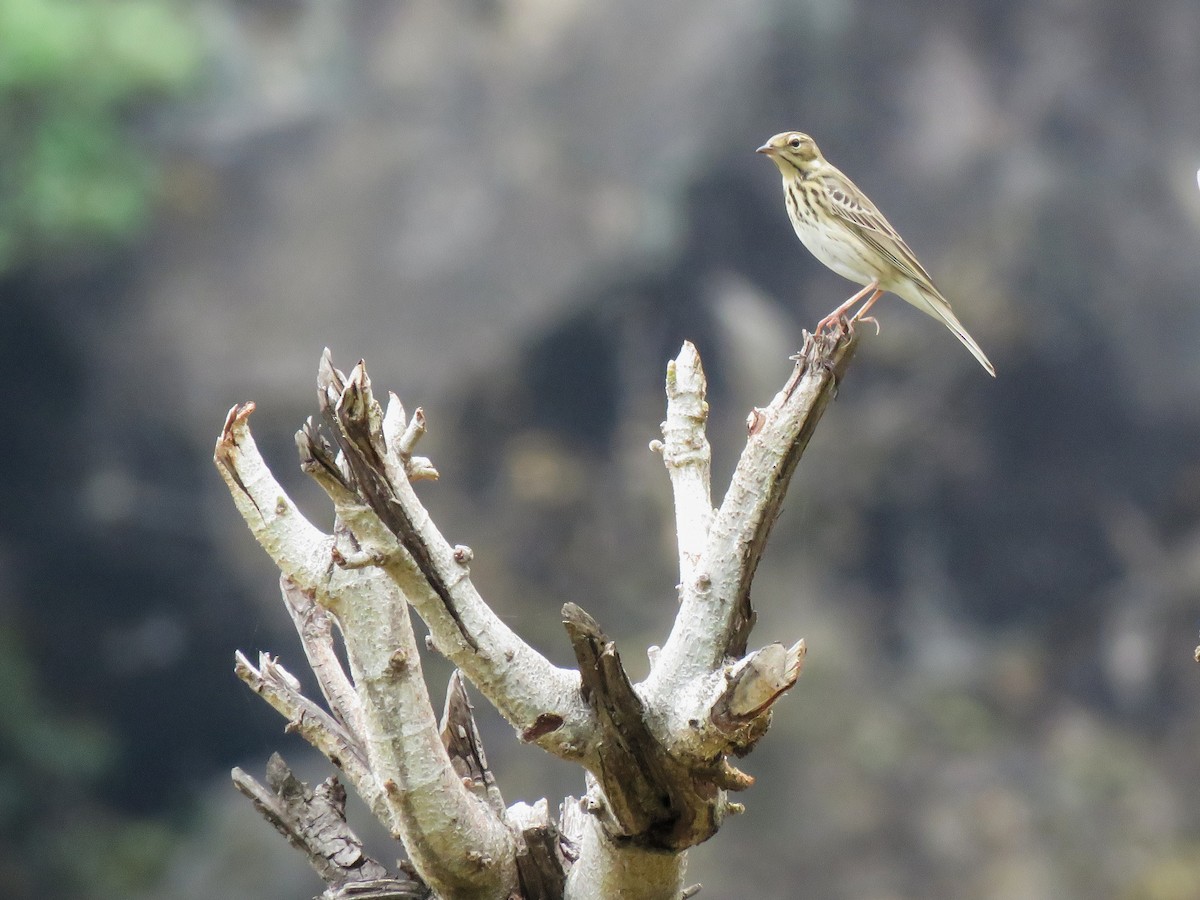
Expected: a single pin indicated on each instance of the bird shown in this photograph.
(843, 229)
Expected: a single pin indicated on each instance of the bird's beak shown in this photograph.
(765, 148)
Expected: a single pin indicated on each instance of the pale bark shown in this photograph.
(656, 754)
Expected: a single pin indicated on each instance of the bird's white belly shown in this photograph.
(842, 256)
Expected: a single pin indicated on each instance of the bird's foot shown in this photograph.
(837, 324)
(838, 316)
(831, 323)
(874, 321)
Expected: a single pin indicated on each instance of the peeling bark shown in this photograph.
(314, 822)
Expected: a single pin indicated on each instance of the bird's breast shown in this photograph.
(830, 241)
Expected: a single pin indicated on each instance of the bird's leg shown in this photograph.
(861, 316)
(834, 316)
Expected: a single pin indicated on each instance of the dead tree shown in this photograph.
(656, 755)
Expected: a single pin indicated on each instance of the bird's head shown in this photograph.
(791, 150)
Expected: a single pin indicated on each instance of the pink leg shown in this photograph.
(837, 314)
(861, 315)
(870, 302)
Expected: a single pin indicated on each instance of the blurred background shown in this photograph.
(516, 211)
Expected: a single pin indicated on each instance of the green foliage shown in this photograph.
(75, 80)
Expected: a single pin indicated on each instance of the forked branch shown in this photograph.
(657, 753)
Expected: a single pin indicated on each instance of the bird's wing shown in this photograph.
(853, 207)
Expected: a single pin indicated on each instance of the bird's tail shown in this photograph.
(938, 307)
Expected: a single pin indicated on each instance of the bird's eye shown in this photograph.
(795, 142)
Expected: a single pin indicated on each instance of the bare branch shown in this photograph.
(296, 546)
(459, 845)
(435, 578)
(377, 476)
(657, 755)
(462, 741)
(604, 871)
(314, 821)
(400, 735)
(315, 627)
(688, 456)
(541, 860)
(646, 796)
(715, 615)
(757, 682)
(280, 688)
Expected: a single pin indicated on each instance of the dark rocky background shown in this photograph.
(516, 211)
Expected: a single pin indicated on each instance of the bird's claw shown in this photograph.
(834, 324)
(874, 321)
